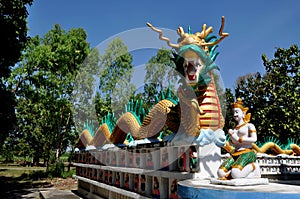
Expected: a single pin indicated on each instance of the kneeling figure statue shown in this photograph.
(241, 163)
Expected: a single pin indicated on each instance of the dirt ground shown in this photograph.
(64, 184)
(12, 189)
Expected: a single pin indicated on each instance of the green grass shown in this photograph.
(64, 158)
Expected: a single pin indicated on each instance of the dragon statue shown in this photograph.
(195, 116)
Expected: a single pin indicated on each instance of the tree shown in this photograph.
(227, 114)
(115, 74)
(84, 96)
(283, 103)
(273, 98)
(13, 37)
(13, 15)
(43, 83)
(160, 69)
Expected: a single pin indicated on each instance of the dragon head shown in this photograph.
(194, 64)
(194, 54)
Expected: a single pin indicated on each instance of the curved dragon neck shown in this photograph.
(206, 114)
(210, 104)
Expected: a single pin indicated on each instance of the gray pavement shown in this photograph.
(41, 193)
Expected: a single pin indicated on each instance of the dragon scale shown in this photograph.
(129, 123)
(210, 104)
(202, 112)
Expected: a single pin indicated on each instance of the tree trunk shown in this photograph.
(57, 154)
(58, 150)
(36, 160)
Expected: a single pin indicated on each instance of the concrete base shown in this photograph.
(196, 188)
(209, 161)
(241, 182)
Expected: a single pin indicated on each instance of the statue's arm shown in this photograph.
(252, 135)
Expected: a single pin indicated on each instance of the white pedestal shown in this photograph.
(209, 157)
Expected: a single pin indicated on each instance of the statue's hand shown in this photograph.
(233, 136)
(206, 137)
(220, 138)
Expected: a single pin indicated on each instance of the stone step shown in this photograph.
(58, 194)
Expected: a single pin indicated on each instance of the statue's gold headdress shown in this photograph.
(239, 104)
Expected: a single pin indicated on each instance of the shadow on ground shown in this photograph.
(26, 184)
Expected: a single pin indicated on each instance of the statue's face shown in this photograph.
(192, 67)
(238, 114)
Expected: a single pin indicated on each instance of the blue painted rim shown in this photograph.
(194, 193)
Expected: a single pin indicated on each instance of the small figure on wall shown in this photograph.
(165, 160)
(117, 179)
(107, 158)
(99, 159)
(126, 181)
(131, 159)
(113, 159)
(136, 183)
(143, 184)
(90, 172)
(173, 190)
(155, 191)
(106, 177)
(101, 176)
(93, 159)
(104, 160)
(137, 158)
(193, 158)
(182, 160)
(149, 163)
(95, 175)
(122, 161)
(110, 177)
(241, 163)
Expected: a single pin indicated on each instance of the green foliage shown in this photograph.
(43, 82)
(115, 74)
(7, 112)
(7, 151)
(273, 98)
(227, 110)
(68, 174)
(102, 107)
(64, 157)
(84, 90)
(13, 15)
(160, 69)
(13, 37)
(57, 170)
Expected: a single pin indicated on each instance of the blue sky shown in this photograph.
(254, 27)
